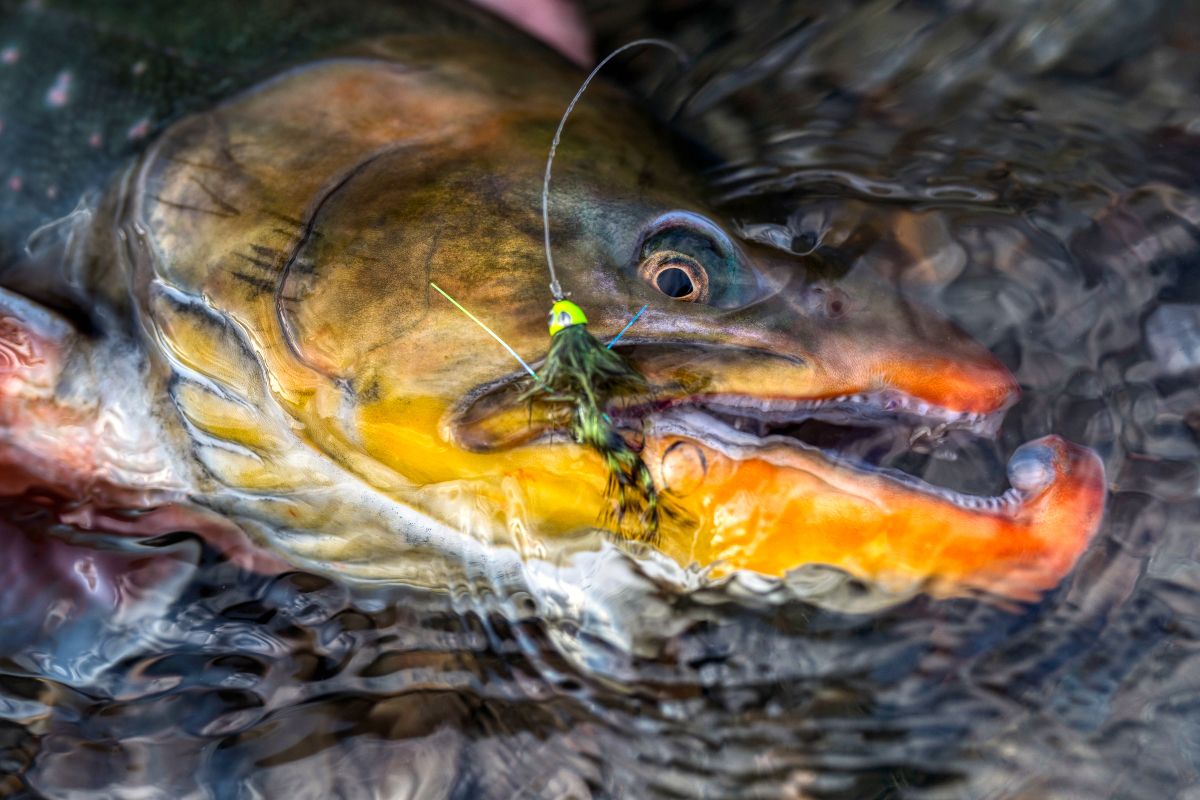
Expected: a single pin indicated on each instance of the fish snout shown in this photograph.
(1032, 466)
(868, 340)
(1061, 484)
(973, 382)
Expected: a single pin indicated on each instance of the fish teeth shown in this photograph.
(938, 421)
(919, 434)
(1005, 502)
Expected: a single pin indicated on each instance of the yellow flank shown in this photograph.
(561, 484)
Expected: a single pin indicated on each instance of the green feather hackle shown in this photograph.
(581, 376)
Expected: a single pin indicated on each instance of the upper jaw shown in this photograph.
(838, 427)
(762, 393)
(493, 417)
(873, 407)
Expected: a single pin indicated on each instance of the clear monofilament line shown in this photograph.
(555, 286)
(490, 332)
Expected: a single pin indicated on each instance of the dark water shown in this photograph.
(1044, 160)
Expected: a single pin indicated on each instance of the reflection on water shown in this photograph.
(1031, 172)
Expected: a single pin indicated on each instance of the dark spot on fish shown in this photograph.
(645, 176)
(216, 198)
(369, 393)
(188, 207)
(294, 222)
(300, 294)
(269, 266)
(252, 280)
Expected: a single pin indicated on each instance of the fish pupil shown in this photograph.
(674, 282)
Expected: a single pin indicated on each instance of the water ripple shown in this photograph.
(1032, 168)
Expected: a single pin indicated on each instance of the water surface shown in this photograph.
(1031, 171)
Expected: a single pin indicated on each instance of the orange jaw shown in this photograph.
(775, 506)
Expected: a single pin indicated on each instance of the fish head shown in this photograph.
(723, 322)
(312, 217)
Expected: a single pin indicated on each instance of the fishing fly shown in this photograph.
(582, 378)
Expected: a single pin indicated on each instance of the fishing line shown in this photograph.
(581, 379)
(509, 347)
(491, 332)
(555, 286)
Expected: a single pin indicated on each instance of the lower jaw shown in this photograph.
(772, 506)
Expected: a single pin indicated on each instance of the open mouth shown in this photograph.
(928, 448)
(957, 462)
(880, 483)
(938, 451)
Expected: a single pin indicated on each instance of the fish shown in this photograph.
(237, 316)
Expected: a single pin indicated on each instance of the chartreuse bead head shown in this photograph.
(564, 314)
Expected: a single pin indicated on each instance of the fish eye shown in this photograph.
(685, 257)
(676, 275)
